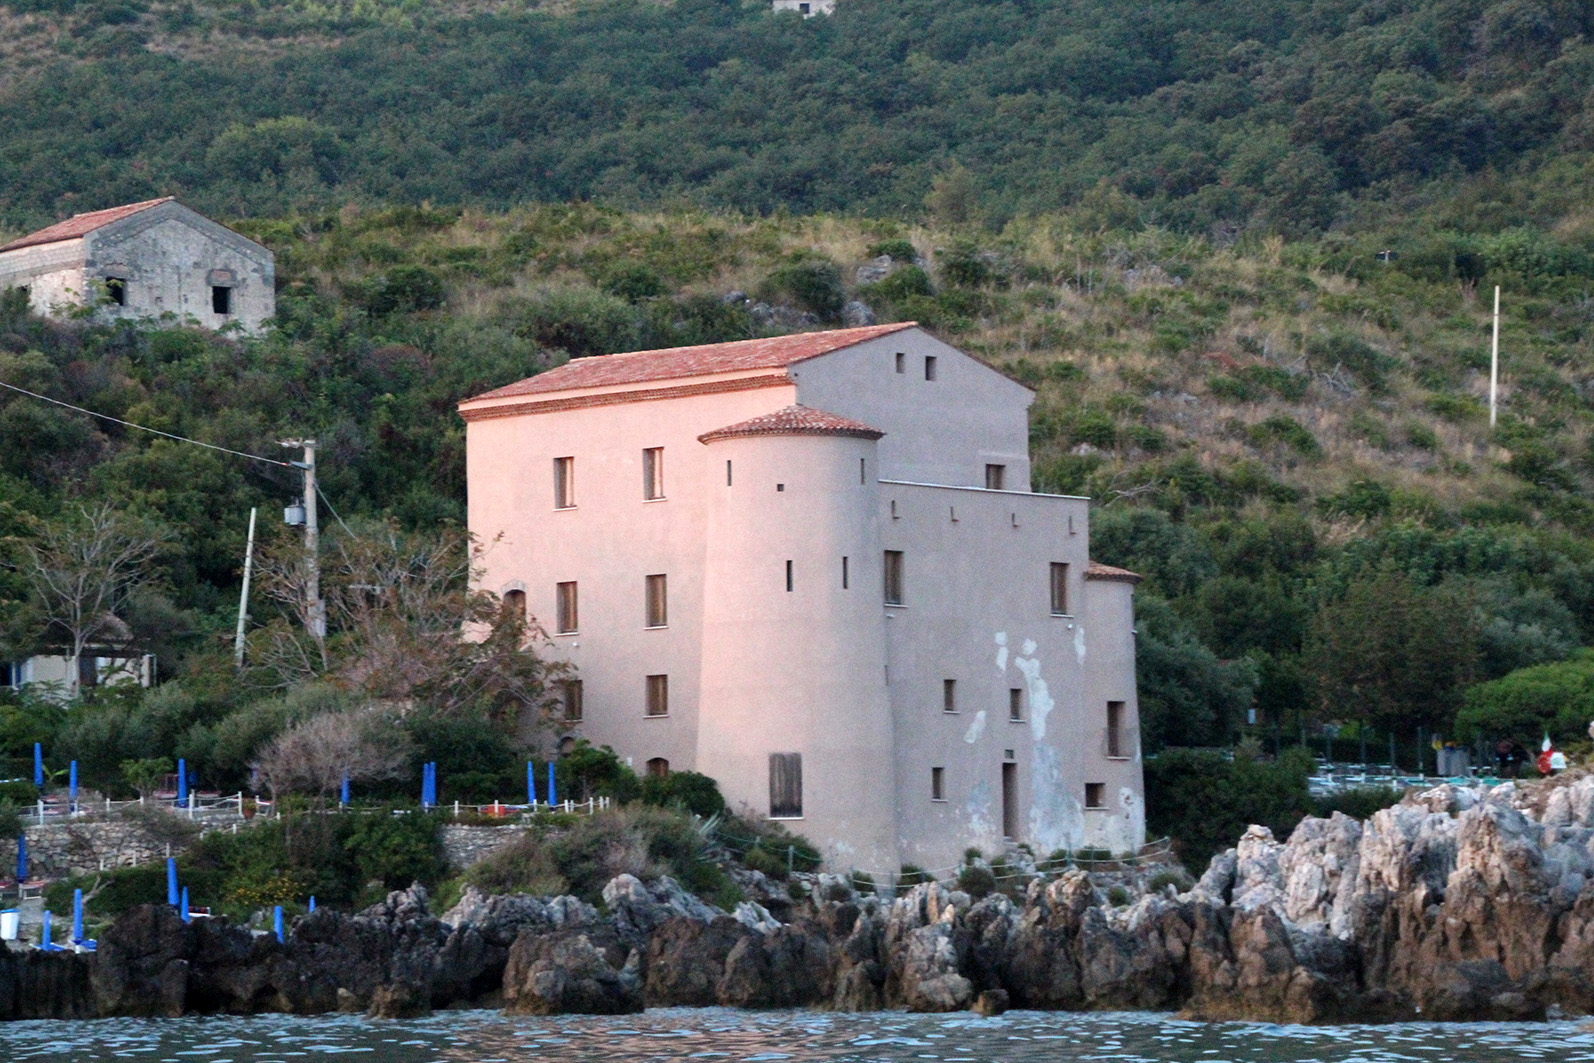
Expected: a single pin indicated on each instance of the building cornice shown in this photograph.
(616, 398)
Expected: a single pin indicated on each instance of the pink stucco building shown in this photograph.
(812, 568)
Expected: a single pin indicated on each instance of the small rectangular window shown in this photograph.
(1115, 729)
(658, 695)
(785, 785)
(564, 483)
(788, 577)
(116, 288)
(893, 574)
(1059, 588)
(653, 473)
(220, 299)
(938, 784)
(565, 608)
(572, 700)
(1095, 795)
(995, 477)
(929, 367)
(949, 695)
(658, 614)
(845, 579)
(1015, 704)
(902, 362)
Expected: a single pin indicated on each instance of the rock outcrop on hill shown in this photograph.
(1454, 904)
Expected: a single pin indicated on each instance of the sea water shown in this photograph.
(670, 1034)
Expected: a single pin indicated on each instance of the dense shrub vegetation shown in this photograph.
(1214, 116)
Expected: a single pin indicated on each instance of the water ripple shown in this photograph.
(667, 1035)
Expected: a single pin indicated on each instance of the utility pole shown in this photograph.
(315, 608)
(243, 599)
(1494, 360)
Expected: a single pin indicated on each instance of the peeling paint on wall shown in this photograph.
(1001, 651)
(979, 809)
(1040, 695)
(976, 728)
(1056, 817)
(1132, 822)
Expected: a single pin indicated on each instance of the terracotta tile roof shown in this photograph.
(1097, 570)
(795, 420)
(638, 367)
(81, 224)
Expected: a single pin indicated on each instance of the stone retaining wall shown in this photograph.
(75, 847)
(465, 846)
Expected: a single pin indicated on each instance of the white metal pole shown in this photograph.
(312, 544)
(1494, 361)
(243, 598)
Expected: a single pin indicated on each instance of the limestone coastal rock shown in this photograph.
(1454, 904)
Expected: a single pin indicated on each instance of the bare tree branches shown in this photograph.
(314, 757)
(405, 625)
(83, 570)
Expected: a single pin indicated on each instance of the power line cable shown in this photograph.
(330, 506)
(153, 431)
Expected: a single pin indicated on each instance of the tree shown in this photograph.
(84, 570)
(1554, 699)
(145, 774)
(405, 625)
(314, 757)
(1393, 653)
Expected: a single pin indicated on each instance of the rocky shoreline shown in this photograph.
(1457, 904)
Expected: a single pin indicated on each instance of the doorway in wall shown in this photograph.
(1010, 800)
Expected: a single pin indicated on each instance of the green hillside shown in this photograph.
(1214, 117)
(1289, 439)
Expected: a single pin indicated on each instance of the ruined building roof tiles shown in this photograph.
(637, 367)
(82, 224)
(795, 420)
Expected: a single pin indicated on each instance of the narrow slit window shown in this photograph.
(1095, 795)
(863, 468)
(727, 472)
(902, 362)
(220, 299)
(949, 695)
(572, 700)
(1115, 729)
(929, 367)
(564, 483)
(658, 612)
(653, 473)
(1059, 588)
(845, 577)
(1015, 704)
(658, 695)
(893, 577)
(565, 617)
(938, 784)
(785, 785)
(995, 477)
(788, 577)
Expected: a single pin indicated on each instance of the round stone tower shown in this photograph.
(794, 717)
